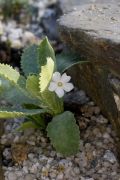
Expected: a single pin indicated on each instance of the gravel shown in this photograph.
(29, 155)
(43, 21)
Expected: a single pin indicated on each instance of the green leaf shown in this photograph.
(68, 59)
(9, 72)
(15, 113)
(64, 133)
(46, 74)
(50, 99)
(39, 120)
(29, 60)
(27, 125)
(52, 102)
(13, 93)
(32, 86)
(45, 50)
(22, 81)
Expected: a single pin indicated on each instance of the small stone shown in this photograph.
(77, 170)
(8, 128)
(102, 120)
(15, 34)
(7, 153)
(29, 37)
(31, 142)
(16, 139)
(82, 160)
(20, 178)
(106, 136)
(25, 169)
(16, 44)
(60, 176)
(53, 175)
(12, 176)
(83, 122)
(34, 168)
(3, 38)
(45, 172)
(3, 140)
(28, 132)
(96, 131)
(53, 153)
(19, 152)
(87, 111)
(31, 156)
(19, 173)
(29, 177)
(109, 156)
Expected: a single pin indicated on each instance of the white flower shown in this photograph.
(60, 84)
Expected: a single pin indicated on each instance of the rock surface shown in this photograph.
(69, 5)
(94, 32)
(100, 21)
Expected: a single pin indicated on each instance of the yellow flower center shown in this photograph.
(60, 84)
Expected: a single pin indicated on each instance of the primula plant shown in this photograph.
(38, 95)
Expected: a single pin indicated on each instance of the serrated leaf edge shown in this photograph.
(40, 75)
(22, 114)
(12, 69)
(18, 87)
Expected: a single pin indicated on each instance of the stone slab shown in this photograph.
(98, 21)
(94, 31)
(69, 5)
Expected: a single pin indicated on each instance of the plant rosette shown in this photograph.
(39, 94)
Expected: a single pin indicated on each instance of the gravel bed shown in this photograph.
(28, 155)
(31, 29)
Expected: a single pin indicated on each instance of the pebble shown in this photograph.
(102, 120)
(29, 177)
(106, 136)
(7, 153)
(16, 44)
(60, 177)
(109, 156)
(20, 35)
(25, 169)
(31, 142)
(12, 176)
(20, 178)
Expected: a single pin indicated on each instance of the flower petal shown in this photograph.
(52, 86)
(59, 92)
(68, 87)
(65, 78)
(56, 77)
